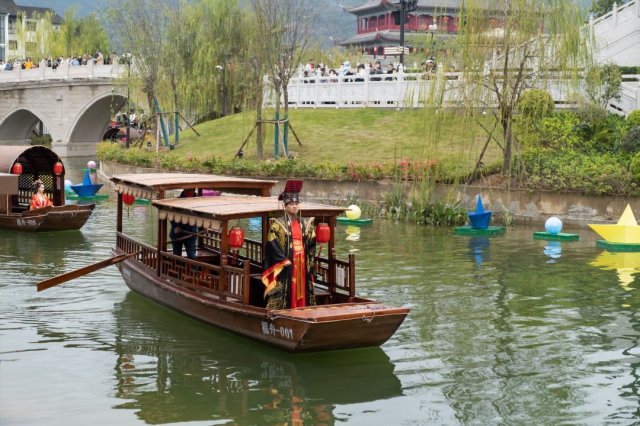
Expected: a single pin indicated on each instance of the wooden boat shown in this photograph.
(214, 289)
(20, 167)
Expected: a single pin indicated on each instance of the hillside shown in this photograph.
(331, 20)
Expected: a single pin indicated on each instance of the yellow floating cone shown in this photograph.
(625, 231)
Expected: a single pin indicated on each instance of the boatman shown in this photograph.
(289, 255)
(184, 234)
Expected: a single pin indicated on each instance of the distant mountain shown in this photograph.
(331, 20)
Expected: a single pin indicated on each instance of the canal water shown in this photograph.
(502, 330)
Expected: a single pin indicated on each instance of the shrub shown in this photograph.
(635, 167)
(535, 104)
(633, 119)
(631, 141)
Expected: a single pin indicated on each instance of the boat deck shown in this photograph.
(338, 311)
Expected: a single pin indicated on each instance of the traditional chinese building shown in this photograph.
(378, 22)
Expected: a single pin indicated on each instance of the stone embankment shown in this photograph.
(512, 206)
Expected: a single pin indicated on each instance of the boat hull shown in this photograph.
(324, 327)
(61, 218)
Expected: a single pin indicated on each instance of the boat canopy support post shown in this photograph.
(119, 216)
(224, 253)
(162, 243)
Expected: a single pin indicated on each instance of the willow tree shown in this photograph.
(284, 28)
(140, 25)
(507, 46)
(216, 69)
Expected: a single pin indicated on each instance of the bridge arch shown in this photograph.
(18, 124)
(94, 117)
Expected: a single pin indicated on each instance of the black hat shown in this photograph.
(291, 191)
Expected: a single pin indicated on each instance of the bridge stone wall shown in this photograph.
(76, 112)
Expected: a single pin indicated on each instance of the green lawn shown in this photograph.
(359, 136)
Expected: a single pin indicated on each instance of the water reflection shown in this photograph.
(553, 250)
(26, 248)
(353, 233)
(479, 247)
(625, 264)
(172, 369)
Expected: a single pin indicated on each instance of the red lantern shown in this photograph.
(128, 199)
(236, 238)
(57, 168)
(16, 169)
(323, 233)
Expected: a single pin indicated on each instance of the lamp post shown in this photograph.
(128, 116)
(405, 6)
(432, 29)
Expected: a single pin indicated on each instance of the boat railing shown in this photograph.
(251, 249)
(148, 255)
(345, 280)
(192, 274)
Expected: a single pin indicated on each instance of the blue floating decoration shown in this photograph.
(479, 219)
(88, 188)
(553, 225)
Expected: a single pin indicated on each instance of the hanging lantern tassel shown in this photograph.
(236, 240)
(128, 199)
(323, 234)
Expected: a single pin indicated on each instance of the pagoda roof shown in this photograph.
(385, 35)
(372, 5)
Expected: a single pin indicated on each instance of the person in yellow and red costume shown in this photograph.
(289, 255)
(39, 199)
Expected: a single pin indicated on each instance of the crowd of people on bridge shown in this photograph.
(374, 69)
(97, 58)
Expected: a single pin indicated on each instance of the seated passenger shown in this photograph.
(39, 199)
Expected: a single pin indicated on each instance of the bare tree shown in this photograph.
(284, 32)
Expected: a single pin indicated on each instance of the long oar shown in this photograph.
(62, 278)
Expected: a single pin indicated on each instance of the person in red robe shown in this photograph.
(39, 199)
(289, 255)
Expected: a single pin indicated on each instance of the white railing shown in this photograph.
(63, 72)
(617, 34)
(417, 91)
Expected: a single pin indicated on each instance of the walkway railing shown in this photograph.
(418, 90)
(63, 72)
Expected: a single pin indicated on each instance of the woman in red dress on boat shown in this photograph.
(289, 255)
(39, 199)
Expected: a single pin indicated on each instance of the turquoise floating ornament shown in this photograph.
(553, 225)
(480, 218)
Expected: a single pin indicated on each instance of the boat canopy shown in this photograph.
(151, 186)
(35, 160)
(211, 211)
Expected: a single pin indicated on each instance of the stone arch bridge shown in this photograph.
(74, 103)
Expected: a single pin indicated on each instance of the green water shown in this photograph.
(503, 330)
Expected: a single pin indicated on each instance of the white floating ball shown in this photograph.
(553, 225)
(67, 184)
(353, 212)
(91, 164)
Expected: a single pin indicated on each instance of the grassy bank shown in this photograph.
(350, 136)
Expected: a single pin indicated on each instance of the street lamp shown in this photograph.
(432, 29)
(128, 58)
(405, 6)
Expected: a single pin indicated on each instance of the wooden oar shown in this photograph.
(62, 278)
